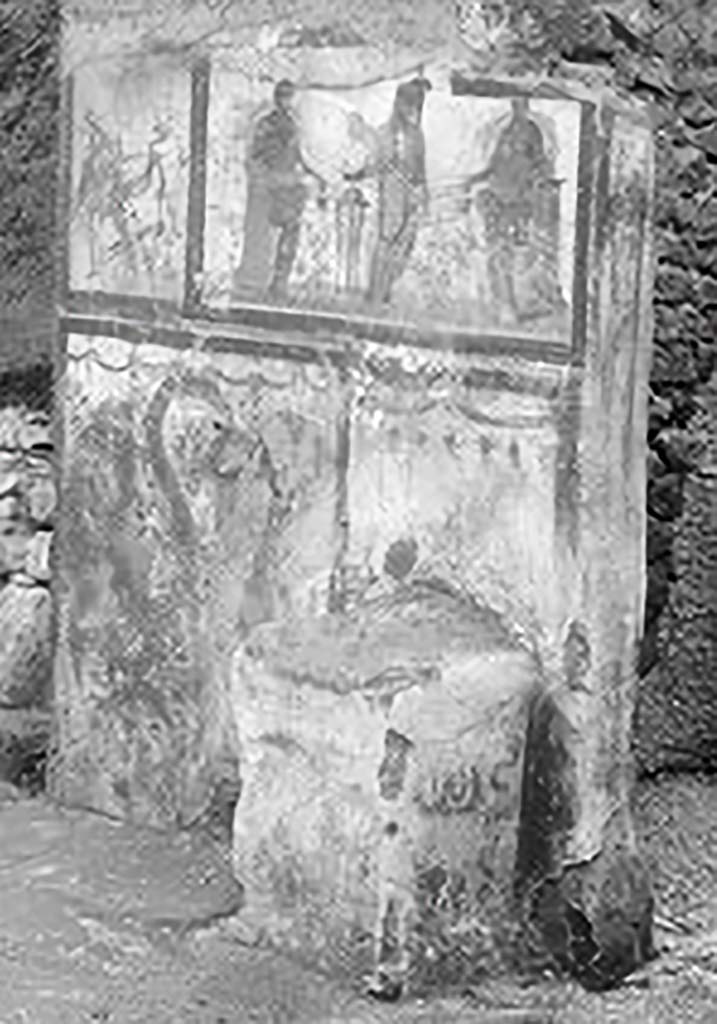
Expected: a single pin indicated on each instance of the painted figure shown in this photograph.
(351, 210)
(400, 166)
(276, 199)
(520, 206)
(108, 191)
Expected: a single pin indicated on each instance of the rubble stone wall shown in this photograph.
(28, 500)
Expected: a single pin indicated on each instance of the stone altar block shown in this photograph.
(389, 751)
(353, 529)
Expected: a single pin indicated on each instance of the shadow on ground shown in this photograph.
(100, 922)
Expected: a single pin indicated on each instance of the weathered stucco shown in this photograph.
(373, 605)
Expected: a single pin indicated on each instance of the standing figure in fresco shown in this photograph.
(110, 188)
(276, 199)
(400, 166)
(351, 210)
(520, 205)
(102, 192)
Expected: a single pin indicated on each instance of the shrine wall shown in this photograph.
(158, 174)
(628, 45)
(240, 491)
(351, 407)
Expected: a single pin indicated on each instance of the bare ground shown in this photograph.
(100, 923)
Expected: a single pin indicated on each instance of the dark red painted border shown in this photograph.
(384, 362)
(197, 197)
(340, 329)
(581, 260)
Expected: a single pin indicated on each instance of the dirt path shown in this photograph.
(103, 923)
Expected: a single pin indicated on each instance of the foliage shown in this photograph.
(29, 103)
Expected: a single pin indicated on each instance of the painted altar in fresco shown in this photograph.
(397, 201)
(129, 141)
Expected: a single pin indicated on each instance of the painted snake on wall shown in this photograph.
(151, 639)
(230, 453)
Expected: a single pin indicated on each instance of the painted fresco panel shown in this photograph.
(621, 364)
(183, 476)
(468, 476)
(396, 201)
(610, 558)
(130, 177)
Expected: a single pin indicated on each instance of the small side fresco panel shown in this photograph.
(128, 152)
